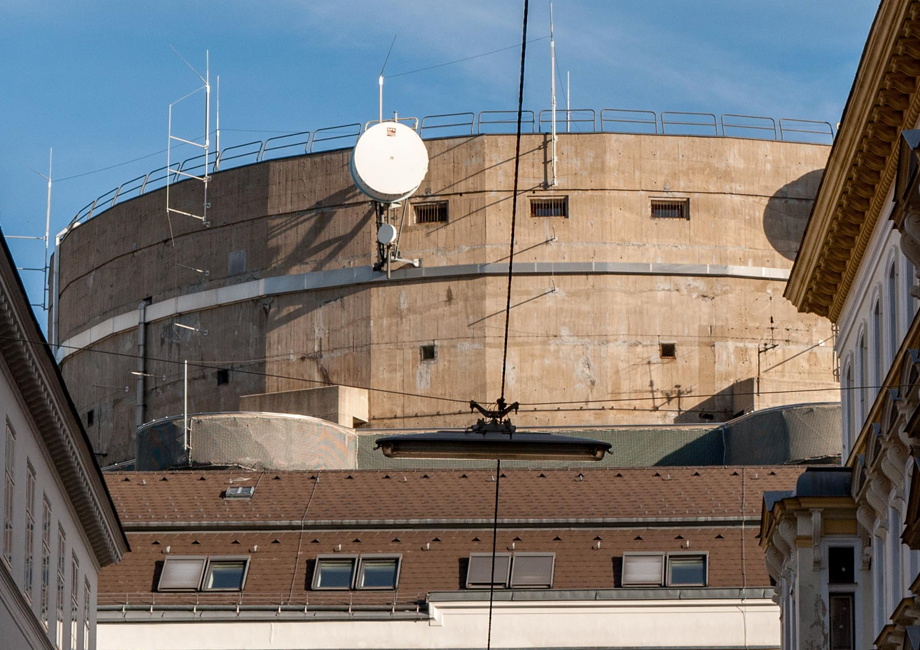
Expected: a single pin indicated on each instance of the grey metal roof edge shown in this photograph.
(363, 524)
(108, 614)
(661, 593)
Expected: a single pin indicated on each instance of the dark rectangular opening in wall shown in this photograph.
(428, 353)
(431, 212)
(223, 377)
(667, 350)
(840, 565)
(90, 417)
(842, 626)
(549, 206)
(671, 208)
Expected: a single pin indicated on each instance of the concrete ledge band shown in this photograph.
(359, 275)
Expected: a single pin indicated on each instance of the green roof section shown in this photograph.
(799, 434)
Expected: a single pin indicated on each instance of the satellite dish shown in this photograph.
(386, 234)
(389, 162)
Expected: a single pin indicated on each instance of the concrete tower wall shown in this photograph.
(290, 295)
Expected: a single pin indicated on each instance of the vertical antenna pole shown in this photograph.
(168, 160)
(185, 410)
(45, 289)
(568, 98)
(207, 132)
(217, 148)
(552, 72)
(380, 112)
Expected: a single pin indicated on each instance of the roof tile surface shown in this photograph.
(434, 519)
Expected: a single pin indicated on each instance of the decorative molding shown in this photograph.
(910, 244)
(41, 387)
(866, 516)
(817, 558)
(862, 164)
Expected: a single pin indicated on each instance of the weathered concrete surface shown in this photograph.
(340, 404)
(596, 337)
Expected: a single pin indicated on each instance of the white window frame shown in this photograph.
(220, 559)
(175, 558)
(631, 554)
(29, 568)
(317, 570)
(501, 584)
(685, 554)
(10, 485)
(843, 588)
(543, 585)
(74, 602)
(376, 557)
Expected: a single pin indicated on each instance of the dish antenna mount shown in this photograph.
(388, 164)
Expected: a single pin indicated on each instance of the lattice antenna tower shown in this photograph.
(176, 172)
(44, 267)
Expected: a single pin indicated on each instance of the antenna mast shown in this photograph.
(568, 98)
(552, 68)
(217, 148)
(46, 295)
(380, 79)
(172, 174)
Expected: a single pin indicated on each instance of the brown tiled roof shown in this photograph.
(432, 560)
(445, 495)
(435, 519)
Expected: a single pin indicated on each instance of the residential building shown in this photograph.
(59, 524)
(585, 558)
(841, 550)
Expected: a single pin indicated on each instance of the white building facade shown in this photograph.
(858, 266)
(59, 525)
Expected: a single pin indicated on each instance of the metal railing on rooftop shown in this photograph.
(314, 601)
(583, 120)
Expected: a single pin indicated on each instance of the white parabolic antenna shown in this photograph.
(389, 162)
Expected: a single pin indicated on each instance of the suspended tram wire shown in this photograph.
(223, 364)
(514, 202)
(501, 400)
(468, 58)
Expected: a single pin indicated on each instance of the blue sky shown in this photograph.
(93, 80)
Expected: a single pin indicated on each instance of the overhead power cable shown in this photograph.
(514, 202)
(214, 366)
(469, 58)
(122, 164)
(227, 365)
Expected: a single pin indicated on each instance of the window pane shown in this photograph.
(840, 565)
(478, 574)
(379, 574)
(181, 573)
(643, 570)
(335, 574)
(687, 570)
(532, 571)
(226, 575)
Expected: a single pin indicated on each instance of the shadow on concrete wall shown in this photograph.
(714, 408)
(787, 212)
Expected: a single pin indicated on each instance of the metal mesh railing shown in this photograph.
(610, 120)
(300, 601)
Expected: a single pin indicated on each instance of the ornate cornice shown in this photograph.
(862, 163)
(39, 382)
